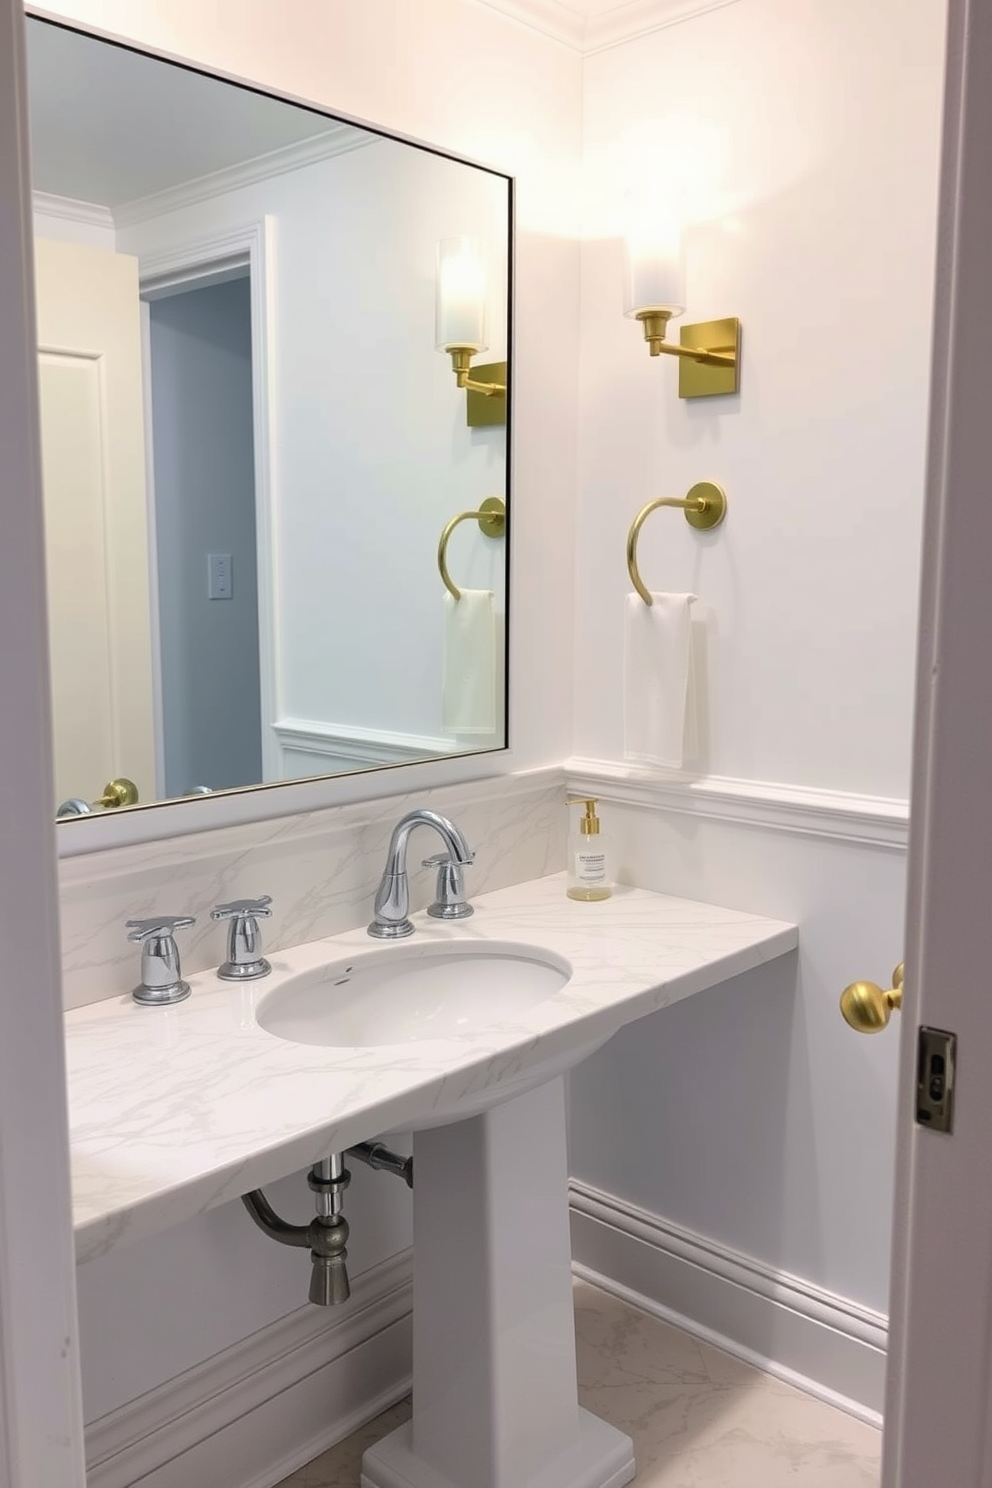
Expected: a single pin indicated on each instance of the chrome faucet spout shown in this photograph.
(392, 901)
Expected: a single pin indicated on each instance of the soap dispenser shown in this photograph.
(588, 857)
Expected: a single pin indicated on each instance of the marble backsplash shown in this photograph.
(321, 868)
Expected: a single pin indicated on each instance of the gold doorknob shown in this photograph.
(867, 1007)
(120, 792)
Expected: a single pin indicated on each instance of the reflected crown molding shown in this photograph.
(589, 26)
(70, 210)
(340, 139)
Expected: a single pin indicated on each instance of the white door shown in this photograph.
(938, 1420)
(92, 438)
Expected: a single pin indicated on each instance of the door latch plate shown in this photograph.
(936, 1059)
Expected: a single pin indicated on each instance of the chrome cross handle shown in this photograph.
(449, 895)
(161, 973)
(244, 961)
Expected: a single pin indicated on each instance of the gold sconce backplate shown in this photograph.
(698, 379)
(481, 411)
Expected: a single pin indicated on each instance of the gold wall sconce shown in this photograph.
(654, 294)
(461, 329)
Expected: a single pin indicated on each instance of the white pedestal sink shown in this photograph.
(494, 1386)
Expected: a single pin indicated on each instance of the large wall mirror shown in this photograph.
(251, 443)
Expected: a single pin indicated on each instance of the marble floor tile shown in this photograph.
(341, 1467)
(698, 1417)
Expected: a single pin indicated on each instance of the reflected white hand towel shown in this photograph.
(656, 679)
(468, 704)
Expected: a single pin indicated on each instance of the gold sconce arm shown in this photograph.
(655, 323)
(708, 352)
(485, 393)
(705, 506)
(461, 362)
(491, 518)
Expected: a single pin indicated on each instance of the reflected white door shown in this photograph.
(96, 538)
(938, 1421)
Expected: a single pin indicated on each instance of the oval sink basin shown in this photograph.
(408, 994)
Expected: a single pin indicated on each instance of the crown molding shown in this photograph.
(577, 27)
(340, 139)
(70, 210)
(563, 23)
(640, 17)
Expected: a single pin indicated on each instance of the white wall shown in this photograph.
(370, 454)
(813, 132)
(815, 127)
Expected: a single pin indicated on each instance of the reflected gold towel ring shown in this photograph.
(491, 518)
(705, 506)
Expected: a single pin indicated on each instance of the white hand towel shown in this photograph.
(468, 703)
(658, 721)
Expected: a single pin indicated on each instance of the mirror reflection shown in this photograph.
(251, 445)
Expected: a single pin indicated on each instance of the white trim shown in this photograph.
(338, 139)
(823, 1343)
(155, 627)
(561, 22)
(266, 1406)
(68, 209)
(210, 259)
(878, 821)
(41, 1429)
(364, 747)
(641, 17)
(573, 26)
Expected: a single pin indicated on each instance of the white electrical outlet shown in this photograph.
(220, 576)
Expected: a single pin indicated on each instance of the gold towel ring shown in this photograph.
(705, 506)
(492, 523)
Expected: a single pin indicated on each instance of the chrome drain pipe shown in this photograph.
(326, 1236)
(378, 1156)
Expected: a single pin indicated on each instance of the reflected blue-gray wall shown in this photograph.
(205, 503)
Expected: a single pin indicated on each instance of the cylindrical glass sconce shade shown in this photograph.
(461, 294)
(654, 268)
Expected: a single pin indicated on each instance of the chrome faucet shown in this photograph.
(392, 901)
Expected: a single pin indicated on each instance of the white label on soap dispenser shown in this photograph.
(590, 867)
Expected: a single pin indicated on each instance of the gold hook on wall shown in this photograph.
(705, 506)
(491, 518)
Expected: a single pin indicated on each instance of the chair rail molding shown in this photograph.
(877, 821)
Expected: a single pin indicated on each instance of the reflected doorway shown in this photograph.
(202, 488)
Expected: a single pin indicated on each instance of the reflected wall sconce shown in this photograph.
(654, 294)
(461, 329)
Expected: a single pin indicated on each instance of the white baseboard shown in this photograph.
(823, 1343)
(258, 1411)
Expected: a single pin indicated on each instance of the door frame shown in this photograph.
(41, 1416)
(196, 263)
(940, 1340)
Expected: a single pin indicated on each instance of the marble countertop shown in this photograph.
(174, 1110)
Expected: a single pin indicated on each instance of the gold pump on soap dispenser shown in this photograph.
(588, 856)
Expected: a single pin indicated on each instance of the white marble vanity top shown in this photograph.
(174, 1110)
